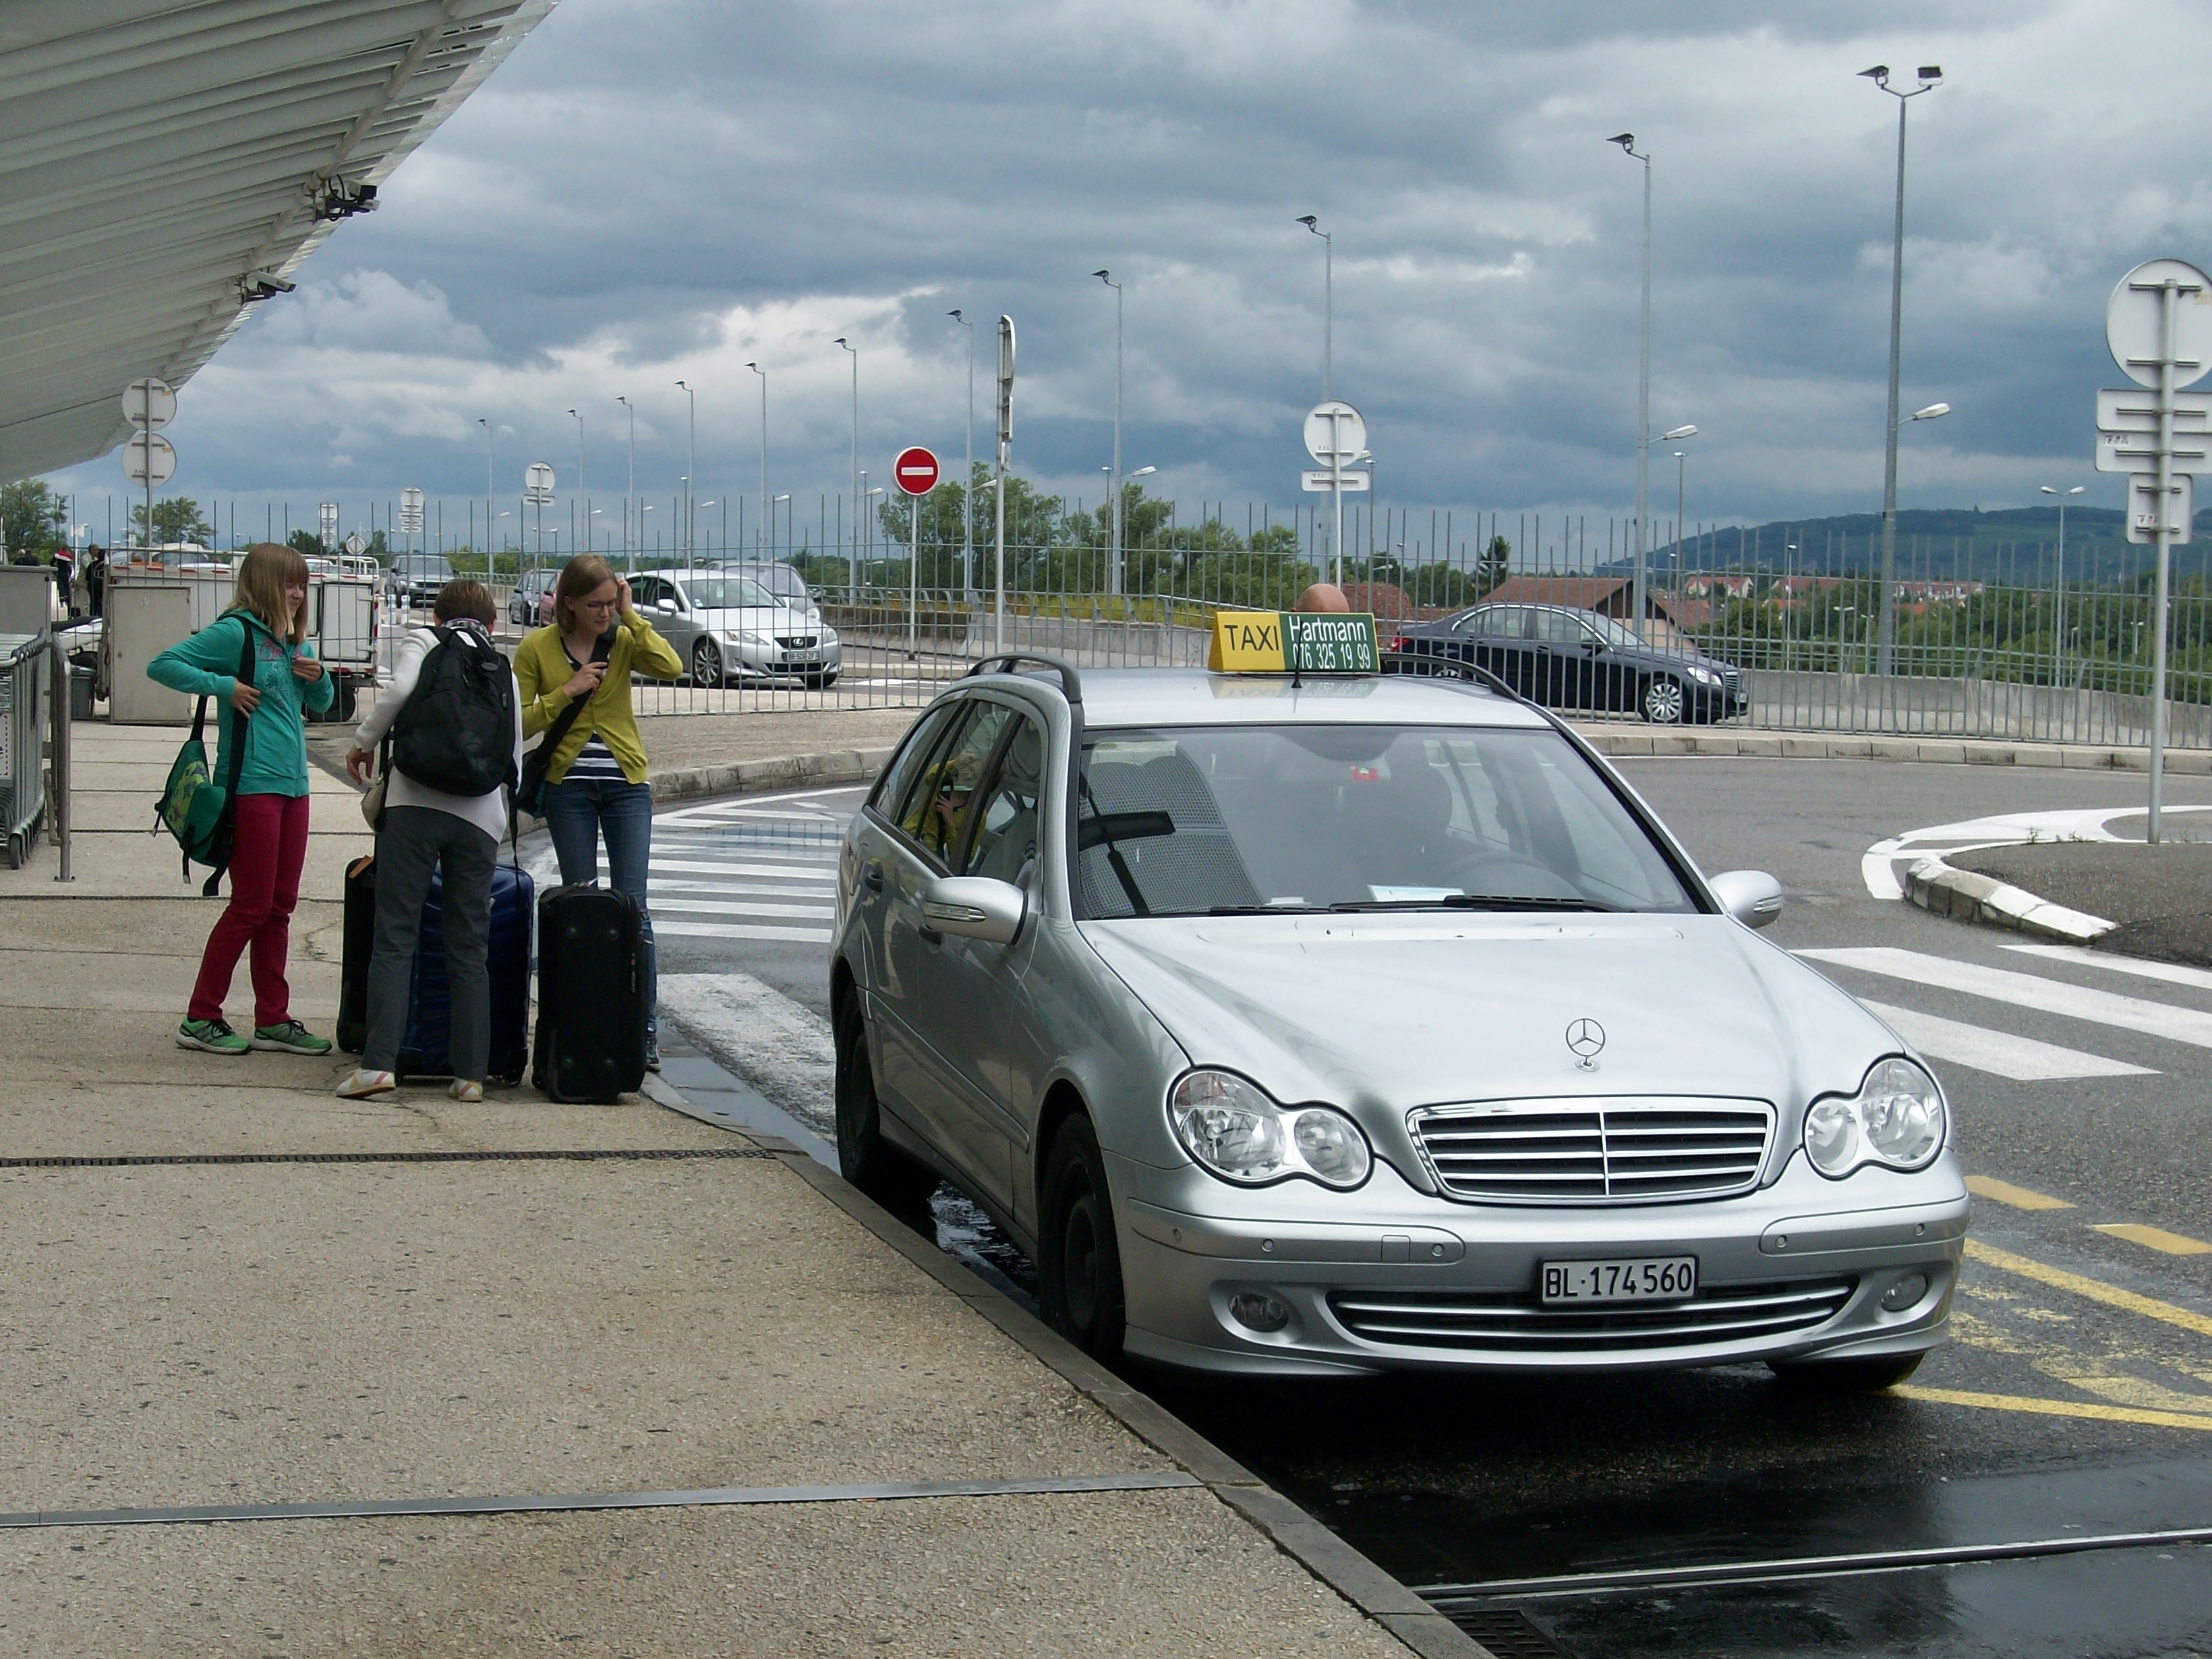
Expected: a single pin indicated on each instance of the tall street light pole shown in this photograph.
(1312, 222)
(968, 478)
(763, 539)
(1927, 76)
(489, 440)
(1114, 566)
(691, 467)
(1627, 143)
(2058, 630)
(853, 558)
(630, 526)
(583, 541)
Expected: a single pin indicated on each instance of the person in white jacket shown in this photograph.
(423, 830)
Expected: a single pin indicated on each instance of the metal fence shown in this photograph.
(25, 660)
(1993, 638)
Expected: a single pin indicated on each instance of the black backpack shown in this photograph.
(457, 733)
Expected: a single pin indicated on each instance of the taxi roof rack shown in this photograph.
(1448, 668)
(1070, 683)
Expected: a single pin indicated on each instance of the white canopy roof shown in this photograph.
(157, 156)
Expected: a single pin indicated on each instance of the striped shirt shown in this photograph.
(595, 759)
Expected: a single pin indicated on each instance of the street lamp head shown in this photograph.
(783, 498)
(1678, 454)
(1933, 412)
(847, 344)
(1311, 222)
(1879, 74)
(1929, 72)
(1625, 140)
(1679, 432)
(955, 315)
(1143, 472)
(1105, 277)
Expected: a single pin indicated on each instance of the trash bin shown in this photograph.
(80, 692)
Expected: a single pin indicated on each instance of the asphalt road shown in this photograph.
(2074, 1404)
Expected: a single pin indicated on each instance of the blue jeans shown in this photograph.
(578, 812)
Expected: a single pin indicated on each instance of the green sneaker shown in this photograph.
(214, 1036)
(291, 1038)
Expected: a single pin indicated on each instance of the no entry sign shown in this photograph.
(915, 471)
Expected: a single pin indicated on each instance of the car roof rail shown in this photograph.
(1007, 662)
(1419, 663)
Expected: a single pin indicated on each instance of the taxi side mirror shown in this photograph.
(664, 603)
(974, 906)
(1751, 896)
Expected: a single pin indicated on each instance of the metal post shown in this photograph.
(1113, 568)
(1641, 590)
(489, 440)
(853, 558)
(691, 468)
(629, 495)
(913, 572)
(581, 542)
(763, 540)
(968, 477)
(59, 697)
(2168, 293)
(1889, 652)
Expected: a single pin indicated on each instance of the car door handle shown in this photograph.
(873, 874)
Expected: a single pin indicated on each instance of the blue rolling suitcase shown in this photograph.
(425, 1050)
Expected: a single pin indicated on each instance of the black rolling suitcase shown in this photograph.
(591, 994)
(425, 1050)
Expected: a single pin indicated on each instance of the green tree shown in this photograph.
(1495, 565)
(306, 541)
(176, 519)
(31, 516)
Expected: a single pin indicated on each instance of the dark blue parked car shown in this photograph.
(1563, 658)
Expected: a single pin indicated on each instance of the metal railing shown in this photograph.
(1991, 638)
(25, 702)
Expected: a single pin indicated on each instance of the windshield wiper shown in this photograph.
(1272, 909)
(1476, 902)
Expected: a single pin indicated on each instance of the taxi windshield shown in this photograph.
(727, 594)
(1252, 819)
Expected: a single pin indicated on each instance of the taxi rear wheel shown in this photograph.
(1079, 1278)
(1662, 701)
(1838, 1377)
(864, 1157)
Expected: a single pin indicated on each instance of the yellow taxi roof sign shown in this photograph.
(1286, 641)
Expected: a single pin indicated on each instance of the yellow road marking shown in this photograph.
(2095, 1288)
(2019, 1197)
(2155, 1238)
(2017, 1402)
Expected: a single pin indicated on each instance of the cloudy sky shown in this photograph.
(652, 190)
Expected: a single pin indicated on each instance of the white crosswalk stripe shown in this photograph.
(745, 869)
(2000, 1053)
(2173, 973)
(2026, 991)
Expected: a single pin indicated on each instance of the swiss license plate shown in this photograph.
(1639, 1279)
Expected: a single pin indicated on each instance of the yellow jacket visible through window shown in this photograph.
(541, 666)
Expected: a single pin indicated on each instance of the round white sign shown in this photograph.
(1336, 432)
(2133, 321)
(148, 459)
(537, 475)
(354, 545)
(148, 404)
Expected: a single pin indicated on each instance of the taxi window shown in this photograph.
(1004, 835)
(1234, 818)
(1560, 628)
(935, 816)
(891, 788)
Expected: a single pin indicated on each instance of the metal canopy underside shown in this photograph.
(156, 154)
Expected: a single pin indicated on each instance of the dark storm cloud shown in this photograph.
(651, 190)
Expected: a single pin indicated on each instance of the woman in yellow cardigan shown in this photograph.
(595, 780)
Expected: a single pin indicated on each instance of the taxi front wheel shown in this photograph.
(864, 1157)
(1838, 1377)
(1079, 1279)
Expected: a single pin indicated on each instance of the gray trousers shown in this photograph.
(414, 841)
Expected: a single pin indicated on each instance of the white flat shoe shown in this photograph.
(367, 1082)
(470, 1094)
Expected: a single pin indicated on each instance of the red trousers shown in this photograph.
(266, 851)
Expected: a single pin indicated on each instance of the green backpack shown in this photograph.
(196, 809)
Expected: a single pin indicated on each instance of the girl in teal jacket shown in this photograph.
(269, 843)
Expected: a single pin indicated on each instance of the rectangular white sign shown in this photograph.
(1323, 479)
(2142, 508)
(2137, 451)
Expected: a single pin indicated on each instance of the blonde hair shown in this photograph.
(586, 573)
(267, 570)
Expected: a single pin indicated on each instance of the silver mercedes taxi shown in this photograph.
(1368, 1023)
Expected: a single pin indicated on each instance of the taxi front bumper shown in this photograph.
(1389, 1277)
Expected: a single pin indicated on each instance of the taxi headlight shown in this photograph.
(1703, 675)
(1897, 1119)
(1234, 1130)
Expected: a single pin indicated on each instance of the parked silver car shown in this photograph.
(1370, 1024)
(727, 627)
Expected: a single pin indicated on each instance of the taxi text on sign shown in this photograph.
(1274, 641)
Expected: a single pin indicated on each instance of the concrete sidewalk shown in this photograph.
(230, 1289)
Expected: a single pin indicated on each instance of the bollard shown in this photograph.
(60, 701)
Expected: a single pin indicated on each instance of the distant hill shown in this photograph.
(2010, 544)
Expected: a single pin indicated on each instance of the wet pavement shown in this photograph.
(2043, 1483)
